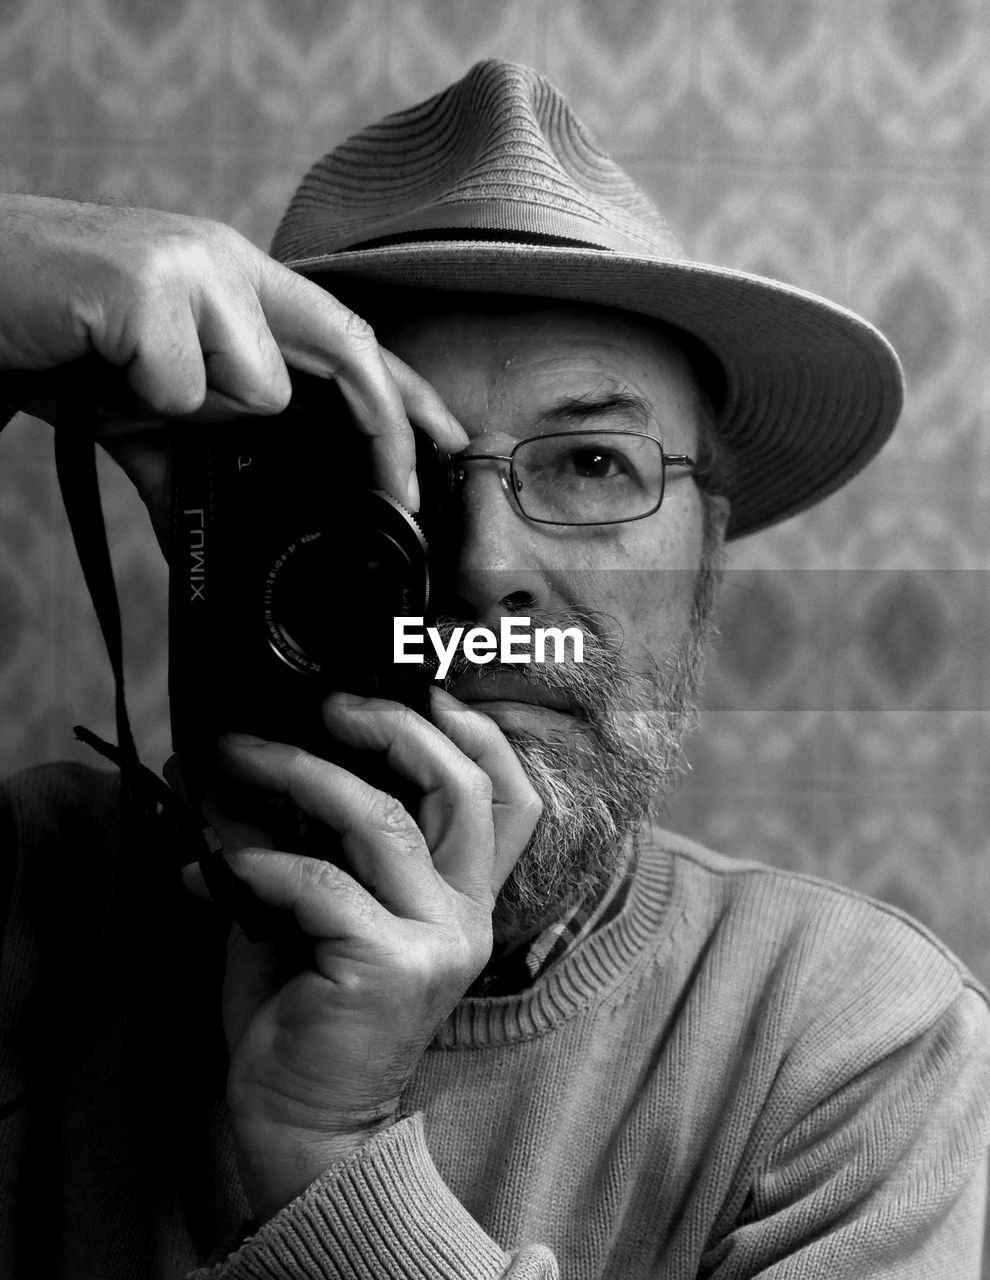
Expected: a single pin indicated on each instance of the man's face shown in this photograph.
(614, 727)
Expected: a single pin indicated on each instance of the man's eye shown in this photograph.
(592, 464)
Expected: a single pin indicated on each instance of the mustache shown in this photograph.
(596, 689)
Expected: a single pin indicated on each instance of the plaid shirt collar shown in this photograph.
(518, 969)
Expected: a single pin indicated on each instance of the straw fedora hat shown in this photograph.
(495, 186)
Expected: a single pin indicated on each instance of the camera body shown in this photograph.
(288, 569)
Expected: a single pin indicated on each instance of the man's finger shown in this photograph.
(167, 369)
(319, 335)
(425, 406)
(380, 840)
(456, 813)
(516, 805)
(325, 901)
(244, 366)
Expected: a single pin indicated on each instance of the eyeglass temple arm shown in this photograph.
(457, 460)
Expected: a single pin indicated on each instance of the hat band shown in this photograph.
(516, 221)
(475, 234)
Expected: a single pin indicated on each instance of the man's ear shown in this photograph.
(145, 459)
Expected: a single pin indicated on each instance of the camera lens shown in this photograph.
(301, 588)
(331, 585)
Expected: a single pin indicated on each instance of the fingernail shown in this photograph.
(441, 695)
(241, 740)
(459, 427)
(343, 699)
(412, 493)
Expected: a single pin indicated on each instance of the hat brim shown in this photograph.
(812, 390)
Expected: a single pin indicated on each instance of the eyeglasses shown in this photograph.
(584, 477)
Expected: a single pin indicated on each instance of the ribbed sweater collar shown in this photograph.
(584, 976)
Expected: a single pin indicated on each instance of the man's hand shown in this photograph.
(321, 1053)
(203, 323)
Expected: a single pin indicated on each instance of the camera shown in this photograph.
(288, 570)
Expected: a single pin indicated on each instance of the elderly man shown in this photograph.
(513, 1028)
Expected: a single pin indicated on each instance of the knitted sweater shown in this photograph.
(745, 1073)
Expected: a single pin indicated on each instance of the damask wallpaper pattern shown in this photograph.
(838, 145)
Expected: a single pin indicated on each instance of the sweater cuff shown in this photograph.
(385, 1211)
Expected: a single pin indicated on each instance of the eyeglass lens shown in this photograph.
(588, 477)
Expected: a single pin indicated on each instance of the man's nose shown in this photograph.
(488, 565)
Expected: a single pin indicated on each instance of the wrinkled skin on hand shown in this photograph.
(204, 325)
(395, 935)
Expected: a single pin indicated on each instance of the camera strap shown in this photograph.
(75, 465)
(145, 798)
(75, 460)
(154, 820)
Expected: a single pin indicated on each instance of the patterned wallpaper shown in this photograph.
(835, 144)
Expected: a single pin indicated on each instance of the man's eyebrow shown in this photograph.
(597, 404)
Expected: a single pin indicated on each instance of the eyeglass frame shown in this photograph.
(455, 464)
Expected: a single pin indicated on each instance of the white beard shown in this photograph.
(597, 785)
(599, 782)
